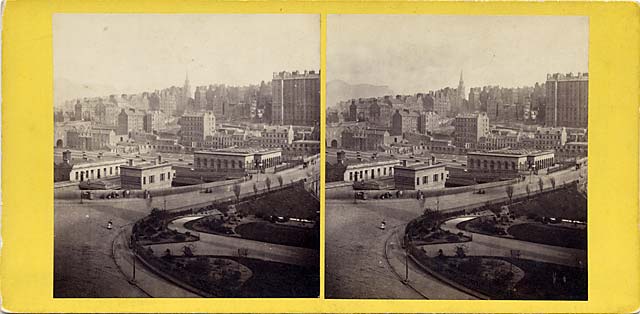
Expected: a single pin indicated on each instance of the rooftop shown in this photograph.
(420, 165)
(512, 152)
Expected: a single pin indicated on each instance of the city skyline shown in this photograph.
(479, 46)
(92, 51)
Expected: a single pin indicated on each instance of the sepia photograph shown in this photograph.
(456, 157)
(186, 155)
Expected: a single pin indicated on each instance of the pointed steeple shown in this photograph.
(461, 90)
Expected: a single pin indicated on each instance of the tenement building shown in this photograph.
(296, 98)
(550, 138)
(469, 128)
(567, 100)
(195, 127)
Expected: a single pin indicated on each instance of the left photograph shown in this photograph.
(186, 155)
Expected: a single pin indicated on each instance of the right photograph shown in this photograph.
(456, 157)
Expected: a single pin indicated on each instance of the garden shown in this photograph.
(553, 218)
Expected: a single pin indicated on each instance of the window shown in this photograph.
(350, 176)
(424, 180)
(152, 179)
(144, 180)
(110, 171)
(76, 175)
(435, 177)
(169, 175)
(442, 176)
(162, 177)
(418, 181)
(384, 171)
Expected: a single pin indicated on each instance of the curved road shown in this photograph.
(212, 244)
(354, 245)
(498, 246)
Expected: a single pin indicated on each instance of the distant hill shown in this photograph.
(338, 90)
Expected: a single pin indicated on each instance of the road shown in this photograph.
(211, 244)
(354, 246)
(84, 264)
(418, 279)
(496, 246)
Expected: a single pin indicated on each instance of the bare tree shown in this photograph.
(509, 190)
(236, 190)
(553, 182)
(280, 180)
(268, 183)
(540, 184)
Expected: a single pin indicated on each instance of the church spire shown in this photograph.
(461, 91)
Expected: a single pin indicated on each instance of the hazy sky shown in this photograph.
(135, 53)
(412, 53)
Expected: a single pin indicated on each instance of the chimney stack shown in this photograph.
(159, 159)
(404, 163)
(130, 162)
(433, 160)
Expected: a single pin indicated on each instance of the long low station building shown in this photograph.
(237, 160)
(510, 160)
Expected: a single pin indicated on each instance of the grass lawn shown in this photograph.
(531, 280)
(550, 234)
(234, 277)
(565, 203)
(280, 234)
(292, 202)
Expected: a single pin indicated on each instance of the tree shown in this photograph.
(236, 190)
(540, 184)
(510, 192)
(553, 182)
(528, 191)
(268, 183)
(280, 180)
(255, 189)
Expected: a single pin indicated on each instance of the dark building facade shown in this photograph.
(296, 98)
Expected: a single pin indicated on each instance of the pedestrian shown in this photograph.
(109, 225)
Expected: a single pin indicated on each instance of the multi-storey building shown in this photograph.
(474, 98)
(226, 138)
(404, 121)
(296, 98)
(153, 121)
(550, 138)
(107, 114)
(129, 120)
(567, 100)
(195, 127)
(275, 136)
(469, 128)
(364, 138)
(427, 122)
